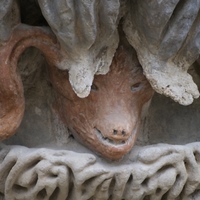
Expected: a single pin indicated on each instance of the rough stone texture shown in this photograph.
(170, 122)
(87, 31)
(154, 172)
(166, 36)
(9, 17)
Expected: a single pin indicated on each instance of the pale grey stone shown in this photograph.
(172, 173)
(9, 17)
(87, 32)
(166, 36)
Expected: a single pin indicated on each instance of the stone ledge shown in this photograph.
(156, 172)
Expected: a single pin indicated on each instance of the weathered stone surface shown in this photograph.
(9, 17)
(87, 31)
(166, 36)
(153, 172)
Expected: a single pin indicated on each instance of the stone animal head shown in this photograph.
(107, 121)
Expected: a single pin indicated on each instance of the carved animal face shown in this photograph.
(107, 121)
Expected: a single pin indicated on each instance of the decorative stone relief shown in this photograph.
(120, 135)
(108, 120)
(99, 92)
(159, 172)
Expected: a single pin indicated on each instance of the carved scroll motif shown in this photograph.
(156, 172)
(166, 36)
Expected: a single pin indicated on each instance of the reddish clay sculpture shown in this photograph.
(107, 121)
(11, 89)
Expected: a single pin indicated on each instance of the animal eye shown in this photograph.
(94, 87)
(135, 87)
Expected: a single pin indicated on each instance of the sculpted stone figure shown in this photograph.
(99, 92)
(107, 121)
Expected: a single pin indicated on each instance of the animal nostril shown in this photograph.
(115, 132)
(123, 133)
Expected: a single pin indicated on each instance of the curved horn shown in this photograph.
(12, 101)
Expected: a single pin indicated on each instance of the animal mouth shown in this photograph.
(108, 141)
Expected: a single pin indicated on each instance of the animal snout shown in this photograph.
(116, 127)
(119, 132)
(116, 134)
